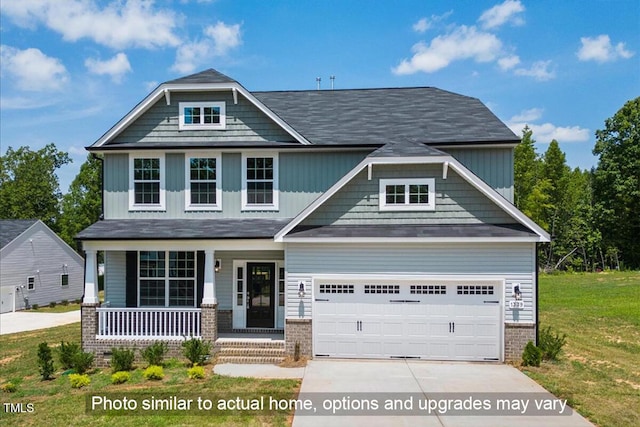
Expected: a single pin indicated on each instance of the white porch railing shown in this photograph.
(148, 323)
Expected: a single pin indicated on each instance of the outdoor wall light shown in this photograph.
(301, 290)
(218, 265)
(516, 291)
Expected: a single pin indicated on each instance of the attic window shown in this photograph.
(202, 115)
(410, 194)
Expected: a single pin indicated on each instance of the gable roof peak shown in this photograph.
(206, 76)
(10, 229)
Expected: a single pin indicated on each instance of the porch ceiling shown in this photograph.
(181, 229)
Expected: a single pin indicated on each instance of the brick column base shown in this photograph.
(89, 326)
(516, 337)
(209, 322)
(298, 331)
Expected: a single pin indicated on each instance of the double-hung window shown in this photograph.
(146, 182)
(167, 279)
(31, 283)
(203, 182)
(202, 115)
(407, 194)
(260, 182)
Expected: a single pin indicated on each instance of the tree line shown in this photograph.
(592, 215)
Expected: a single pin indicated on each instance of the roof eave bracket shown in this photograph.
(167, 96)
(235, 96)
(445, 169)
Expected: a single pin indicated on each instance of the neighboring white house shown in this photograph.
(36, 266)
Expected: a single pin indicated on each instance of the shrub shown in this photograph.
(120, 377)
(196, 351)
(79, 381)
(52, 304)
(77, 301)
(153, 372)
(196, 373)
(45, 361)
(122, 359)
(532, 355)
(66, 352)
(35, 306)
(82, 362)
(154, 354)
(9, 388)
(551, 343)
(64, 302)
(296, 351)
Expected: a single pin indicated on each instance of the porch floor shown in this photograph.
(249, 336)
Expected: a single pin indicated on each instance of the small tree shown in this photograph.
(45, 361)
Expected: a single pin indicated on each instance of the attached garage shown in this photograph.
(418, 317)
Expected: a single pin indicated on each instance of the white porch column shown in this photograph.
(91, 278)
(209, 294)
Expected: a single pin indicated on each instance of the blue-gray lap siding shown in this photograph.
(511, 262)
(303, 177)
(457, 201)
(245, 122)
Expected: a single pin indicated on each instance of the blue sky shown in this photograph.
(70, 69)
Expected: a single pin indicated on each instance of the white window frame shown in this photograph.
(167, 279)
(202, 126)
(187, 186)
(31, 279)
(407, 182)
(276, 193)
(133, 206)
(62, 285)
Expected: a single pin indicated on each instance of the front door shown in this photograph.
(261, 294)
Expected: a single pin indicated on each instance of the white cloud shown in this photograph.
(600, 49)
(25, 103)
(219, 40)
(151, 85)
(509, 11)
(78, 151)
(545, 132)
(461, 43)
(539, 71)
(118, 25)
(115, 67)
(508, 62)
(426, 23)
(32, 70)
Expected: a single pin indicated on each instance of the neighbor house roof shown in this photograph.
(175, 229)
(10, 229)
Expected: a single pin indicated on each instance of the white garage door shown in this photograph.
(427, 320)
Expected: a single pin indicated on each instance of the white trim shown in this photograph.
(34, 283)
(183, 245)
(167, 279)
(201, 105)
(187, 184)
(61, 284)
(288, 239)
(159, 92)
(163, 195)
(276, 192)
(468, 176)
(407, 205)
(239, 319)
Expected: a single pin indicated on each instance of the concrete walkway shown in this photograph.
(356, 384)
(21, 321)
(258, 371)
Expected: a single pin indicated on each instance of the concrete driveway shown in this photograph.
(427, 394)
(21, 321)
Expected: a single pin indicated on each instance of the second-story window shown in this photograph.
(203, 182)
(260, 182)
(202, 115)
(146, 189)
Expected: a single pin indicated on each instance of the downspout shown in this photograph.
(537, 294)
(95, 156)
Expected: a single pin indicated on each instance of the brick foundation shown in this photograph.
(516, 337)
(298, 330)
(225, 320)
(209, 322)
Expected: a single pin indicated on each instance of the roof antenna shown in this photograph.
(318, 80)
(332, 78)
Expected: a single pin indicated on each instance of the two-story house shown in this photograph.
(369, 223)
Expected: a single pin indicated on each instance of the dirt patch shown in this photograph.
(288, 362)
(577, 358)
(9, 359)
(629, 383)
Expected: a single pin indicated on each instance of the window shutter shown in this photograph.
(132, 279)
(199, 277)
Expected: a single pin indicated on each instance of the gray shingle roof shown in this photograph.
(406, 149)
(408, 231)
(178, 229)
(12, 228)
(206, 76)
(377, 116)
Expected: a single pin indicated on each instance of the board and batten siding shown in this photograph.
(493, 165)
(303, 177)
(244, 122)
(115, 274)
(512, 262)
(457, 202)
(39, 253)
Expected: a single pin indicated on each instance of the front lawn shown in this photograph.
(55, 403)
(599, 369)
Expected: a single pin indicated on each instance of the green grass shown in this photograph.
(599, 369)
(59, 308)
(57, 404)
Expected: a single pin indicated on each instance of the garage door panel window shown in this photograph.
(475, 290)
(336, 289)
(381, 289)
(428, 290)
